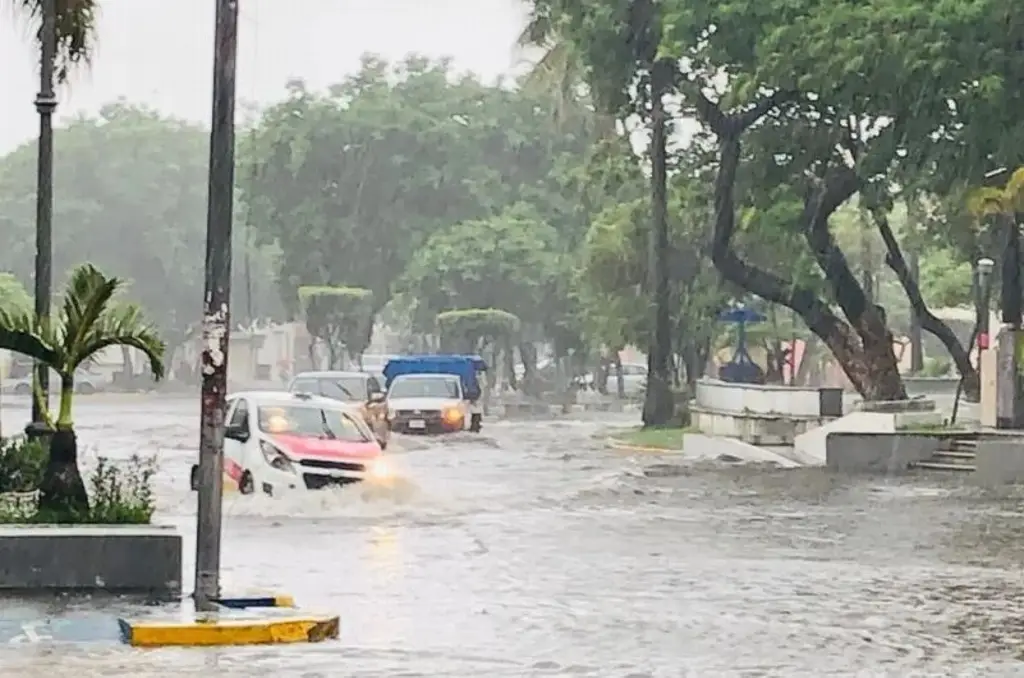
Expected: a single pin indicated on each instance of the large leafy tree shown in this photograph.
(804, 118)
(130, 190)
(349, 184)
(506, 262)
(89, 319)
(617, 47)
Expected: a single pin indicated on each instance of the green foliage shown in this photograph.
(350, 184)
(12, 293)
(89, 319)
(472, 328)
(119, 494)
(936, 367)
(342, 317)
(131, 198)
(613, 275)
(508, 262)
(21, 464)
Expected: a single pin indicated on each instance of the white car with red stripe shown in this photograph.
(275, 442)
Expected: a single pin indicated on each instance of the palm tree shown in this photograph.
(89, 320)
(76, 30)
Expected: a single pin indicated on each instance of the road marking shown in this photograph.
(29, 634)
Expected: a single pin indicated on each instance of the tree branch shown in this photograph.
(929, 322)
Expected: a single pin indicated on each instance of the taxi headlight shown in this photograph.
(275, 457)
(379, 469)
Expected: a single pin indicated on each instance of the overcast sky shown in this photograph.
(160, 53)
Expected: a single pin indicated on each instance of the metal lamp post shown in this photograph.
(216, 312)
(46, 103)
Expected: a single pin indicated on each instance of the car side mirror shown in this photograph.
(378, 397)
(236, 432)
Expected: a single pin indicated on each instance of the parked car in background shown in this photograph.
(360, 389)
(22, 386)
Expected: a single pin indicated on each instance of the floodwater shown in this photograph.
(532, 551)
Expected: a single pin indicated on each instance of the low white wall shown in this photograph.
(757, 429)
(752, 399)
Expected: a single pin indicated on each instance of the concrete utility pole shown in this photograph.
(216, 311)
(46, 103)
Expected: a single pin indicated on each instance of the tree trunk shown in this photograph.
(863, 363)
(509, 357)
(620, 378)
(658, 407)
(916, 345)
(867, 319)
(528, 354)
(929, 323)
(62, 495)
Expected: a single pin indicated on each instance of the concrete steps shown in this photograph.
(957, 455)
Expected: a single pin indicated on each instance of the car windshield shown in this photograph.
(311, 422)
(425, 387)
(351, 389)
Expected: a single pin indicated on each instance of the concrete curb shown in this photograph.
(257, 620)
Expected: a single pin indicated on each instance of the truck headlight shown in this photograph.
(275, 457)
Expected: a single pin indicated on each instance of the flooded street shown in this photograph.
(530, 550)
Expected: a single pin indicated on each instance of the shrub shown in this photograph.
(119, 494)
(21, 464)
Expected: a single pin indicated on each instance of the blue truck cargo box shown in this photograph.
(465, 367)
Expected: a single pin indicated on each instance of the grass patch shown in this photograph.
(668, 438)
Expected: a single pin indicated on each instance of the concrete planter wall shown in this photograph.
(762, 415)
(128, 559)
(751, 399)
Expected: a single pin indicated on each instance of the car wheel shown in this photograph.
(246, 484)
(193, 479)
(476, 422)
(22, 389)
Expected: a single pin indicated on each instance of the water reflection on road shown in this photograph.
(533, 551)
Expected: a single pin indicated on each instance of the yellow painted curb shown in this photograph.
(252, 631)
(625, 447)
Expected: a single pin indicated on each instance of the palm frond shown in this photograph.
(20, 333)
(123, 325)
(87, 297)
(76, 30)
